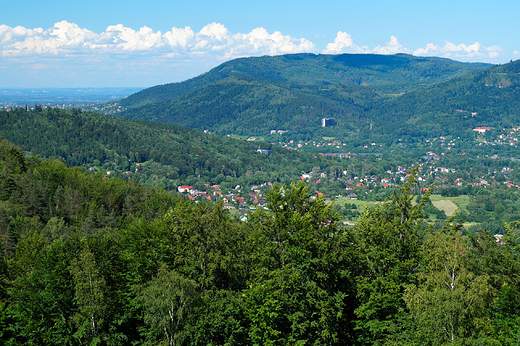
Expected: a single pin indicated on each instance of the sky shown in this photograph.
(115, 43)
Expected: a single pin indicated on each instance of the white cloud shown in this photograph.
(430, 49)
(472, 52)
(343, 43)
(67, 54)
(393, 47)
(63, 37)
(277, 43)
(179, 37)
(212, 39)
(215, 31)
(119, 37)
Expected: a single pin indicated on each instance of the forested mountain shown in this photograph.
(91, 261)
(386, 73)
(167, 155)
(252, 106)
(369, 94)
(487, 98)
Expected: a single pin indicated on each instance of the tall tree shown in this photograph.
(301, 291)
(167, 301)
(89, 286)
(42, 295)
(449, 301)
(388, 237)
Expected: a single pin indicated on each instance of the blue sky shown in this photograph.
(115, 43)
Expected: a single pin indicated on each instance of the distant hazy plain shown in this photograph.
(44, 96)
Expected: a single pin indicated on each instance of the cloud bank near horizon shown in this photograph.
(68, 39)
(343, 43)
(214, 39)
(68, 54)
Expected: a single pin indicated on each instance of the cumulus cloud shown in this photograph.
(69, 54)
(63, 37)
(393, 47)
(212, 39)
(215, 31)
(179, 37)
(276, 43)
(343, 43)
(119, 37)
(474, 51)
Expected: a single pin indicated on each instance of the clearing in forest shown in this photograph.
(445, 204)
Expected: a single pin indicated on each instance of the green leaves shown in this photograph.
(41, 296)
(449, 302)
(299, 290)
(167, 301)
(388, 238)
(90, 288)
(87, 260)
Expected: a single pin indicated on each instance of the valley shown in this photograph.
(391, 114)
(225, 210)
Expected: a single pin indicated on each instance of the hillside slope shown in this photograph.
(253, 96)
(169, 155)
(386, 73)
(486, 98)
(252, 106)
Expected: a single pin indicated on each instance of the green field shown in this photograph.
(450, 204)
(359, 204)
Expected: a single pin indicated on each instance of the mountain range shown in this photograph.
(368, 95)
(374, 99)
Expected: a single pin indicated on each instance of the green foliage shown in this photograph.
(167, 301)
(294, 92)
(89, 294)
(155, 154)
(389, 237)
(301, 291)
(89, 260)
(248, 106)
(429, 209)
(389, 73)
(41, 297)
(459, 104)
(449, 303)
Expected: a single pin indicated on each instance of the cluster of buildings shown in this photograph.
(237, 200)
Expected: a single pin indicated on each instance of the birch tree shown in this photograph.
(449, 301)
(166, 302)
(89, 287)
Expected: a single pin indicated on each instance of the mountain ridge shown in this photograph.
(306, 68)
(298, 90)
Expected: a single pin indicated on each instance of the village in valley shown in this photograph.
(365, 180)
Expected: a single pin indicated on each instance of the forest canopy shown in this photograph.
(88, 260)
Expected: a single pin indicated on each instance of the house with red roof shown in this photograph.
(185, 188)
(483, 129)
